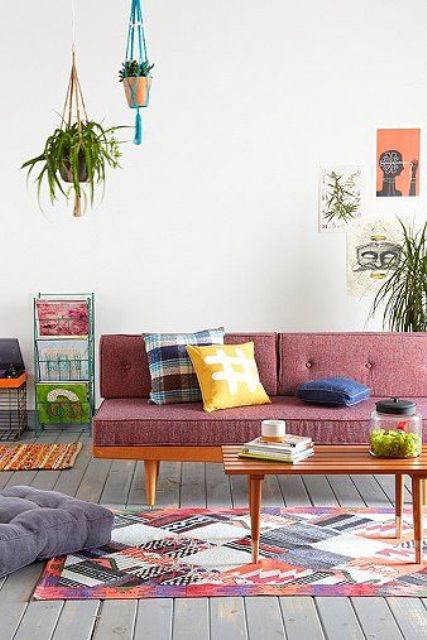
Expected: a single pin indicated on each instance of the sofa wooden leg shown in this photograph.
(151, 470)
(158, 468)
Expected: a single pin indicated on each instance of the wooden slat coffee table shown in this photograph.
(334, 460)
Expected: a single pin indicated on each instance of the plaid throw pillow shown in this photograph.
(173, 378)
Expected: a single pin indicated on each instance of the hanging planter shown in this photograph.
(135, 71)
(137, 83)
(66, 169)
(77, 153)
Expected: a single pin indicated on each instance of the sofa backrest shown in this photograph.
(389, 363)
(124, 364)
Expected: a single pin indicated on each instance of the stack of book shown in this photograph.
(291, 449)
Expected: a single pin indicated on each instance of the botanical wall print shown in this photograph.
(62, 317)
(62, 403)
(373, 251)
(339, 197)
(397, 162)
(62, 360)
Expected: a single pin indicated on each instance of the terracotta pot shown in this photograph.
(65, 170)
(137, 91)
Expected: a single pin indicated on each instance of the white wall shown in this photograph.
(214, 219)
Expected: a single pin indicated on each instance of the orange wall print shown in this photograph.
(398, 157)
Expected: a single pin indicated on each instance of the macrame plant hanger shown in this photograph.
(136, 49)
(74, 107)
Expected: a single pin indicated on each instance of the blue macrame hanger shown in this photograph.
(136, 49)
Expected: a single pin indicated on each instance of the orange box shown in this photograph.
(13, 383)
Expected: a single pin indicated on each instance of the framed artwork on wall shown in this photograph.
(398, 163)
(339, 201)
(373, 250)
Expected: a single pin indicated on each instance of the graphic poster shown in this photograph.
(398, 163)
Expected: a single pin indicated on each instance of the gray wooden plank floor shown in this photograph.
(120, 484)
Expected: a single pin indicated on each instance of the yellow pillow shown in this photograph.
(227, 375)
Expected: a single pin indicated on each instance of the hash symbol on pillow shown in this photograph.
(248, 374)
(227, 375)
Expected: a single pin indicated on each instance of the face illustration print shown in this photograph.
(373, 251)
(377, 256)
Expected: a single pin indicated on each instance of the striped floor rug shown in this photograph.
(26, 457)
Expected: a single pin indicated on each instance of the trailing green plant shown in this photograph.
(135, 69)
(77, 153)
(342, 204)
(403, 296)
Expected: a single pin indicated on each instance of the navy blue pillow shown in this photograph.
(338, 392)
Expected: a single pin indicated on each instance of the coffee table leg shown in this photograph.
(399, 484)
(255, 485)
(417, 507)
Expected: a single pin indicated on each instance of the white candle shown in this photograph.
(273, 430)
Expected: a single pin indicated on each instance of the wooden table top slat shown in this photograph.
(327, 459)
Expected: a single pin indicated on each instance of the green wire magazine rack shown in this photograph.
(64, 359)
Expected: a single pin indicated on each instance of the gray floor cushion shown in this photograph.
(35, 525)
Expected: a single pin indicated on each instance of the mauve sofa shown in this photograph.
(127, 427)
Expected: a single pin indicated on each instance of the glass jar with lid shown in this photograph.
(396, 429)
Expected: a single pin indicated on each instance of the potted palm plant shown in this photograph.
(77, 153)
(403, 296)
(136, 80)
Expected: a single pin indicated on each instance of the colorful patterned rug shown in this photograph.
(203, 552)
(26, 457)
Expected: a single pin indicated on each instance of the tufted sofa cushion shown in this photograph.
(390, 364)
(265, 356)
(35, 525)
(125, 372)
(133, 422)
(124, 366)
